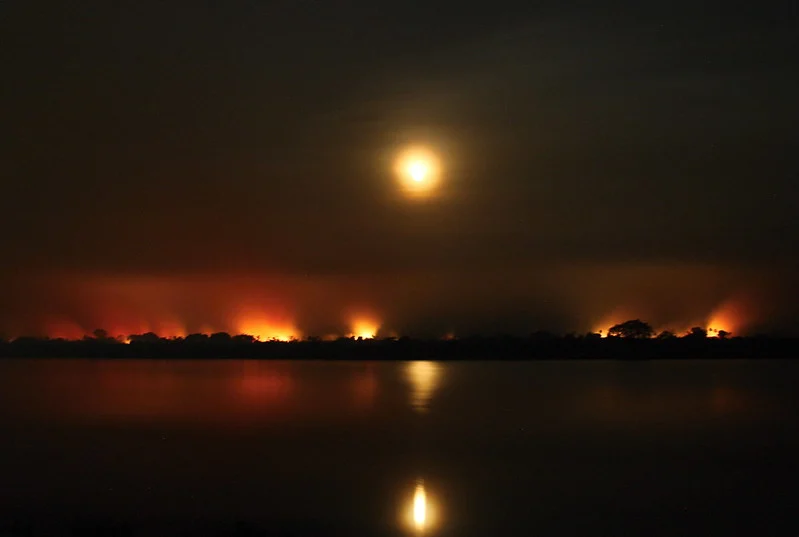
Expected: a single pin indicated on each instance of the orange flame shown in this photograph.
(265, 329)
(364, 327)
(729, 317)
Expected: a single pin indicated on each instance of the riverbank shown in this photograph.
(473, 348)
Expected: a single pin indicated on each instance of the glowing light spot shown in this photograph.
(419, 171)
(419, 507)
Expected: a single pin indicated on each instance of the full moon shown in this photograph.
(418, 170)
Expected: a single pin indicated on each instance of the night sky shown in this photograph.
(190, 166)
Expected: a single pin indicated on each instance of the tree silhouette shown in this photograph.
(723, 334)
(634, 329)
(100, 334)
(220, 337)
(697, 332)
(196, 338)
(666, 334)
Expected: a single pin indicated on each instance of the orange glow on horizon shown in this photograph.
(609, 321)
(264, 329)
(364, 327)
(728, 317)
(168, 329)
(207, 329)
(171, 329)
(64, 329)
(265, 310)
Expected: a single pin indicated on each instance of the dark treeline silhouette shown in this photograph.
(632, 340)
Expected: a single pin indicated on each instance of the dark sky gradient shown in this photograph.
(634, 156)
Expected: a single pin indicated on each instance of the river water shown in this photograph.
(145, 447)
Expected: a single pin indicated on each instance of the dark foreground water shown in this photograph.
(313, 448)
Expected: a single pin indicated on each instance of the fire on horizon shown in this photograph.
(120, 316)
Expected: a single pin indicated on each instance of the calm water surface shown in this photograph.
(478, 448)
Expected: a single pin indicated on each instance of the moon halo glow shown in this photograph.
(418, 171)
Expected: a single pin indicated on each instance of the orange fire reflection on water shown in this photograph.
(263, 381)
(225, 394)
(365, 387)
